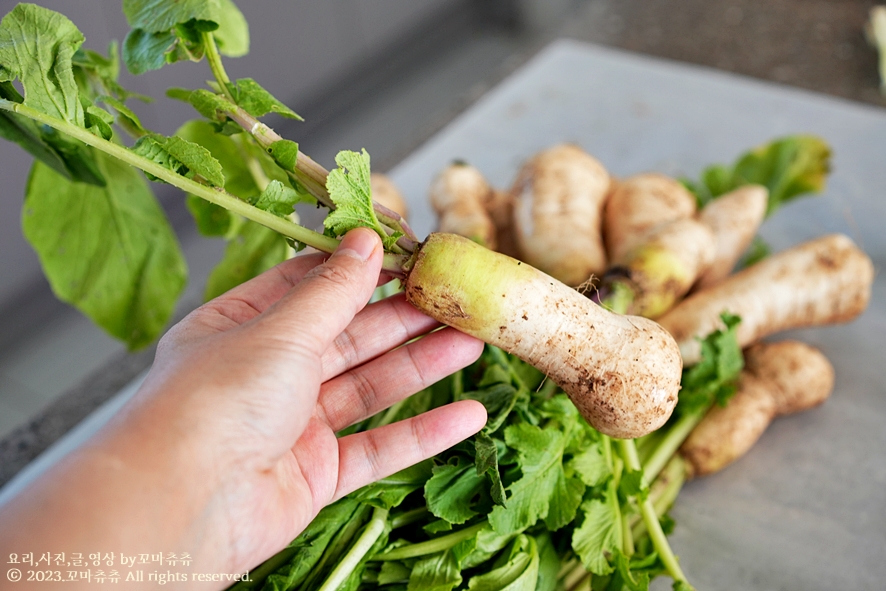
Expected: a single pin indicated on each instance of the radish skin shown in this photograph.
(558, 199)
(823, 281)
(459, 195)
(653, 276)
(384, 191)
(778, 379)
(734, 219)
(639, 203)
(622, 373)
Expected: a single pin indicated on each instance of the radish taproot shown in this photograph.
(639, 203)
(734, 219)
(651, 277)
(560, 192)
(823, 281)
(460, 195)
(778, 379)
(622, 372)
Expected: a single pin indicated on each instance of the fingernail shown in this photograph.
(359, 244)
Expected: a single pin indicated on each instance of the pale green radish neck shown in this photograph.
(657, 273)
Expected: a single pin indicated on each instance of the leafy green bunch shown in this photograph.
(102, 238)
(537, 500)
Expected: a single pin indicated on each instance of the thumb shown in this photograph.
(320, 306)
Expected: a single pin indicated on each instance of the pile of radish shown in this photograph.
(648, 245)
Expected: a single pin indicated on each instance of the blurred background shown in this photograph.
(382, 75)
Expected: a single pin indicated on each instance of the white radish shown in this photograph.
(653, 276)
(460, 195)
(823, 281)
(622, 372)
(734, 219)
(778, 379)
(639, 203)
(558, 199)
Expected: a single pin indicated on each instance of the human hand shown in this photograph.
(232, 434)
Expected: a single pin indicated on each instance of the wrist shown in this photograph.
(121, 494)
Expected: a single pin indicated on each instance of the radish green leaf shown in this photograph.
(108, 251)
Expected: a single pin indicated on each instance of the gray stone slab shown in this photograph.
(806, 509)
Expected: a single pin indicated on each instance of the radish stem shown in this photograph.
(650, 518)
(672, 479)
(393, 263)
(575, 576)
(364, 543)
(306, 171)
(615, 467)
(408, 517)
(671, 442)
(215, 64)
(432, 546)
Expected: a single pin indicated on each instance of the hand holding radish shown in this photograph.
(235, 466)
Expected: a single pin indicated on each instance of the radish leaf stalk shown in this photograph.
(713, 380)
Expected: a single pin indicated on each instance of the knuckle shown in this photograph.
(337, 275)
(373, 457)
(336, 280)
(419, 436)
(365, 394)
(345, 347)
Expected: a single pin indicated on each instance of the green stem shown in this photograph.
(337, 547)
(584, 584)
(647, 443)
(574, 575)
(306, 171)
(393, 264)
(431, 546)
(615, 468)
(256, 172)
(620, 298)
(215, 64)
(458, 385)
(647, 510)
(627, 535)
(258, 575)
(313, 176)
(671, 442)
(502, 358)
(408, 517)
(664, 491)
(567, 565)
(364, 543)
